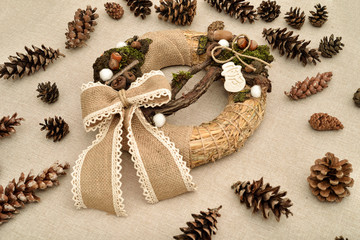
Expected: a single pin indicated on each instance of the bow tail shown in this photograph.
(96, 176)
(161, 170)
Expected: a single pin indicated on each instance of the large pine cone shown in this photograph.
(330, 47)
(319, 17)
(48, 93)
(294, 18)
(264, 198)
(7, 125)
(325, 122)
(310, 86)
(79, 29)
(140, 7)
(330, 178)
(238, 9)
(114, 10)
(57, 128)
(290, 45)
(179, 12)
(268, 10)
(29, 63)
(203, 226)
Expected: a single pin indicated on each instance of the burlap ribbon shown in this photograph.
(161, 170)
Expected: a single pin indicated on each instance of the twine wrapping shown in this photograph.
(162, 172)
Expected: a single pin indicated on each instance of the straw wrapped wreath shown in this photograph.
(130, 95)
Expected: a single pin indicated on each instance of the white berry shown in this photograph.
(106, 74)
(224, 43)
(159, 119)
(256, 91)
(121, 44)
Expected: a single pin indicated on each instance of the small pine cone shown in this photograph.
(239, 9)
(29, 63)
(325, 122)
(79, 29)
(263, 197)
(16, 194)
(48, 93)
(290, 45)
(140, 7)
(309, 86)
(319, 17)
(7, 125)
(57, 128)
(217, 25)
(179, 12)
(330, 178)
(203, 226)
(356, 98)
(330, 47)
(294, 18)
(114, 10)
(341, 238)
(268, 10)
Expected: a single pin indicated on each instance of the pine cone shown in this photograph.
(263, 197)
(330, 178)
(238, 9)
(79, 29)
(140, 7)
(48, 93)
(341, 238)
(309, 86)
(325, 122)
(7, 125)
(356, 98)
(269, 10)
(203, 226)
(286, 43)
(319, 17)
(114, 10)
(16, 194)
(330, 47)
(28, 63)
(294, 18)
(57, 128)
(179, 12)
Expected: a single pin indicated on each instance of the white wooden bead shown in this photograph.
(106, 74)
(159, 119)
(224, 43)
(256, 91)
(121, 44)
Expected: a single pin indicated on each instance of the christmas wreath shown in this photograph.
(130, 94)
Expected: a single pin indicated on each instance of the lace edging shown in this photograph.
(99, 115)
(92, 84)
(144, 181)
(145, 77)
(76, 188)
(144, 98)
(184, 170)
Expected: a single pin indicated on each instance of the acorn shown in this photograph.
(242, 43)
(136, 45)
(119, 83)
(223, 34)
(113, 64)
(248, 69)
(116, 56)
(253, 45)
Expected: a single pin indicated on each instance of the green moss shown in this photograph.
(242, 95)
(203, 40)
(145, 44)
(180, 77)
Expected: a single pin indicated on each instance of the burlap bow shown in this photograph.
(161, 170)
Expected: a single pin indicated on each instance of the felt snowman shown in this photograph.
(234, 80)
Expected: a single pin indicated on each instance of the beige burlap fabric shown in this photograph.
(96, 178)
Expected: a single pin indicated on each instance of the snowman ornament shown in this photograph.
(234, 80)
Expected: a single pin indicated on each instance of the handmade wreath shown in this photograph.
(122, 103)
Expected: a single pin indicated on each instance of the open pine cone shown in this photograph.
(330, 46)
(294, 18)
(268, 10)
(7, 125)
(48, 93)
(356, 98)
(140, 7)
(57, 128)
(264, 198)
(79, 29)
(179, 12)
(319, 17)
(330, 178)
(114, 10)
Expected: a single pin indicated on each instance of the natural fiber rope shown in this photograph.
(202, 140)
(227, 137)
(123, 98)
(237, 54)
(212, 137)
(239, 130)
